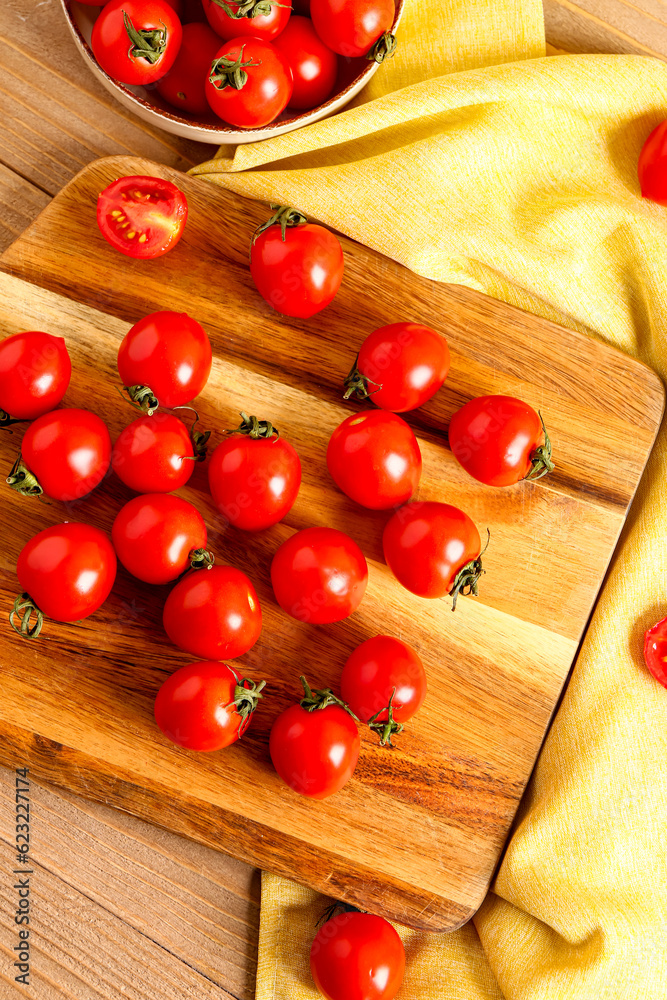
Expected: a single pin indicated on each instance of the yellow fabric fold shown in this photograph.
(472, 159)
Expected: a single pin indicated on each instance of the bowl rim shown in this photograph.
(214, 129)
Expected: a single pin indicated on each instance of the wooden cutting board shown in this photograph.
(417, 833)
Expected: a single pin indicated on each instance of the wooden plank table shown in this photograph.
(124, 908)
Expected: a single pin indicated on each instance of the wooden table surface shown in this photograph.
(121, 908)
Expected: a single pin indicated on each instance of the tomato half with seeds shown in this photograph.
(136, 41)
(213, 613)
(206, 706)
(64, 454)
(154, 454)
(228, 23)
(357, 956)
(156, 536)
(433, 549)
(35, 370)
(66, 572)
(381, 669)
(399, 367)
(500, 440)
(142, 216)
(249, 83)
(352, 27)
(183, 86)
(655, 651)
(375, 459)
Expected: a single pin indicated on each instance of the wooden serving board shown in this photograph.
(418, 831)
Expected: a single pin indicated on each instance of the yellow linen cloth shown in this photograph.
(473, 159)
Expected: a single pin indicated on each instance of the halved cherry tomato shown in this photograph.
(66, 572)
(64, 454)
(206, 706)
(169, 353)
(136, 41)
(655, 651)
(296, 265)
(399, 367)
(383, 671)
(249, 83)
(374, 457)
(352, 27)
(254, 475)
(155, 454)
(357, 956)
(500, 440)
(142, 216)
(314, 745)
(213, 613)
(313, 64)
(183, 86)
(433, 549)
(156, 537)
(35, 370)
(230, 19)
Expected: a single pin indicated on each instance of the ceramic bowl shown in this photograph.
(146, 103)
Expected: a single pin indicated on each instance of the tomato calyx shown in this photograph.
(284, 216)
(334, 909)
(23, 608)
(141, 397)
(312, 701)
(249, 8)
(541, 464)
(22, 480)
(6, 419)
(254, 428)
(199, 439)
(201, 559)
(467, 579)
(149, 44)
(228, 72)
(390, 727)
(384, 48)
(356, 383)
(246, 696)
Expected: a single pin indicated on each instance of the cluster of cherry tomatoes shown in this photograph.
(245, 60)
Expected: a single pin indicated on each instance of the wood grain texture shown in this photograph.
(622, 26)
(496, 667)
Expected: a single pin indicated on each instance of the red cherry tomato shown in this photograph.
(374, 458)
(314, 745)
(254, 476)
(319, 575)
(652, 166)
(297, 268)
(357, 956)
(213, 613)
(156, 535)
(126, 29)
(66, 451)
(399, 367)
(433, 549)
(154, 454)
(655, 651)
(170, 353)
(314, 66)
(264, 26)
(206, 706)
(352, 27)
(183, 85)
(177, 7)
(249, 84)
(378, 667)
(68, 571)
(35, 370)
(500, 440)
(143, 217)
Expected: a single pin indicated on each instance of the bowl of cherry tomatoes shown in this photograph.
(233, 71)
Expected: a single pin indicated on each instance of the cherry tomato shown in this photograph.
(378, 667)
(655, 651)
(156, 535)
(433, 549)
(154, 454)
(352, 27)
(254, 475)
(183, 85)
(213, 613)
(399, 367)
(374, 458)
(35, 370)
(64, 454)
(143, 217)
(224, 18)
(206, 706)
(297, 266)
(170, 353)
(177, 7)
(499, 440)
(357, 956)
(319, 575)
(652, 166)
(127, 29)
(314, 66)
(68, 571)
(314, 745)
(249, 83)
